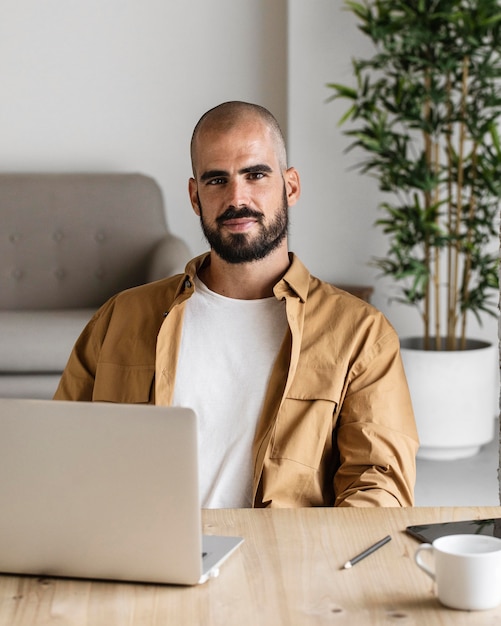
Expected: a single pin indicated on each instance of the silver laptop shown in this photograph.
(103, 491)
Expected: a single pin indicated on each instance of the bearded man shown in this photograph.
(298, 386)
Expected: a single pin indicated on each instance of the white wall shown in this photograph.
(117, 85)
(332, 227)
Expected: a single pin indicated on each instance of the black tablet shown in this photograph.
(429, 532)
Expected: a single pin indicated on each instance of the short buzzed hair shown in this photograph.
(226, 116)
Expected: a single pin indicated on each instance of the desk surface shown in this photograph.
(286, 573)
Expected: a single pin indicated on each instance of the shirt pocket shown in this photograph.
(129, 384)
(303, 430)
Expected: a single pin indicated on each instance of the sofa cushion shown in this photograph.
(39, 341)
(73, 240)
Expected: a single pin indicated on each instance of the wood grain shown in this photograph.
(287, 572)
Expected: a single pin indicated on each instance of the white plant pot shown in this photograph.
(455, 397)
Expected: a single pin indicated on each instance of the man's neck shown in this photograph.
(245, 281)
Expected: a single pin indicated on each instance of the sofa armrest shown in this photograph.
(169, 257)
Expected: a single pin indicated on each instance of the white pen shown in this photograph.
(365, 553)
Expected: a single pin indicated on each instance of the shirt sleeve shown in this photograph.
(78, 378)
(376, 432)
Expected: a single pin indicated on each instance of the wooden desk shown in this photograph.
(286, 573)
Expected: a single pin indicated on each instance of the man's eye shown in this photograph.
(256, 175)
(216, 181)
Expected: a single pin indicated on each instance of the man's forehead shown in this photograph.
(234, 118)
(248, 147)
(249, 129)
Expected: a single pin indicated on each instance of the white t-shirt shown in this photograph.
(228, 349)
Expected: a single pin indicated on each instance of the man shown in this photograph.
(299, 386)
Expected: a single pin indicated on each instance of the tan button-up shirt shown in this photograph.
(337, 426)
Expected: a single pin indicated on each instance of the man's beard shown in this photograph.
(235, 247)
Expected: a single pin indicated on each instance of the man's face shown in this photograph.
(240, 192)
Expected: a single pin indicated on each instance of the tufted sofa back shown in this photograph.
(73, 240)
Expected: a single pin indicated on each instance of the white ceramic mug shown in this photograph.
(467, 570)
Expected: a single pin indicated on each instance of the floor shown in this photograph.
(465, 482)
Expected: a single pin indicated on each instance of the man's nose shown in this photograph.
(238, 195)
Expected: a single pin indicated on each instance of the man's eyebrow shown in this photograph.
(213, 174)
(251, 169)
(255, 169)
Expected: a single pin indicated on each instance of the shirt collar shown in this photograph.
(295, 281)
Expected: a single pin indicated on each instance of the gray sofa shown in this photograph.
(67, 243)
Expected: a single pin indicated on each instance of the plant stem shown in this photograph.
(450, 213)
(427, 202)
(451, 337)
(467, 254)
(437, 273)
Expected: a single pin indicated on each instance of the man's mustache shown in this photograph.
(232, 213)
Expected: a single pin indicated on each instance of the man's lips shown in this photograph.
(241, 220)
(243, 223)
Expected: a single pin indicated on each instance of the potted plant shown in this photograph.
(425, 110)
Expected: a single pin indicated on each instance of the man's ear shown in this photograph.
(193, 191)
(292, 185)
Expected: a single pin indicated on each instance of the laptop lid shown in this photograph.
(101, 490)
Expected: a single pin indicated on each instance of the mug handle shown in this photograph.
(419, 560)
